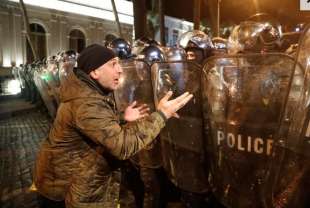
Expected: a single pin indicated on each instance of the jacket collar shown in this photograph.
(81, 75)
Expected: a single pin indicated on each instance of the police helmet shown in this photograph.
(175, 54)
(121, 48)
(152, 53)
(197, 45)
(259, 33)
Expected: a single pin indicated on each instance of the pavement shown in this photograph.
(22, 128)
(11, 106)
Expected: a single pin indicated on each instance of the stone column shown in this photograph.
(18, 47)
(100, 34)
(63, 33)
(91, 34)
(6, 38)
(53, 37)
(1, 43)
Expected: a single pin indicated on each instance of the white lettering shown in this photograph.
(269, 146)
(258, 145)
(249, 143)
(220, 137)
(245, 143)
(230, 140)
(240, 143)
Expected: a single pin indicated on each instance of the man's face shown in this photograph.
(190, 55)
(195, 55)
(108, 75)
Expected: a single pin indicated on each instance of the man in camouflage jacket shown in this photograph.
(74, 163)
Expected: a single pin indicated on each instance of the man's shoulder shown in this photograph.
(96, 103)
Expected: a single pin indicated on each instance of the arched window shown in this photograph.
(38, 37)
(77, 40)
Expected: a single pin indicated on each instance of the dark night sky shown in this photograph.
(234, 11)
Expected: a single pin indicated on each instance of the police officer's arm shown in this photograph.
(99, 123)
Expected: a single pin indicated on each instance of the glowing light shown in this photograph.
(46, 77)
(102, 9)
(122, 6)
(121, 81)
(233, 90)
(6, 61)
(308, 62)
(19, 62)
(14, 87)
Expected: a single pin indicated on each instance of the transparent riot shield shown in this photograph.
(16, 71)
(66, 64)
(182, 140)
(243, 97)
(41, 79)
(136, 85)
(20, 71)
(289, 179)
(27, 81)
(53, 81)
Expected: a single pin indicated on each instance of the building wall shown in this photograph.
(1, 43)
(174, 28)
(57, 26)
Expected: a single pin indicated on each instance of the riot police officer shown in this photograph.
(243, 95)
(197, 45)
(140, 183)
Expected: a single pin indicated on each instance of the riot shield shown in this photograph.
(40, 79)
(66, 64)
(53, 81)
(64, 69)
(289, 177)
(27, 81)
(136, 85)
(33, 93)
(243, 97)
(17, 75)
(182, 139)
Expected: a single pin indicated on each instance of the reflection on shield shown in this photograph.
(289, 177)
(136, 85)
(41, 79)
(182, 139)
(243, 97)
(65, 67)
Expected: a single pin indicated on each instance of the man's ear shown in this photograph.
(94, 74)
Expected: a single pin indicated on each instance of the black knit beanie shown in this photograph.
(94, 56)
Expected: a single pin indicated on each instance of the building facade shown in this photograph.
(52, 30)
(174, 28)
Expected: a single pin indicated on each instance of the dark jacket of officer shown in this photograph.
(74, 163)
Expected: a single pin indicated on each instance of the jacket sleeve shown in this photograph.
(99, 123)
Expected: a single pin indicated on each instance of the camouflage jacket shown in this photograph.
(74, 162)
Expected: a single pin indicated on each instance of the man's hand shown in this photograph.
(170, 107)
(133, 112)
